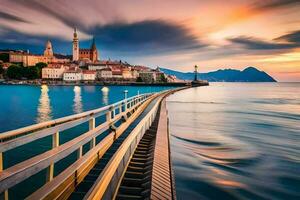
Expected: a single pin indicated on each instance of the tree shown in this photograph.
(4, 57)
(1, 69)
(39, 67)
(163, 78)
(139, 80)
(14, 72)
(31, 72)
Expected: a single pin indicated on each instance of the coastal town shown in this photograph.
(83, 66)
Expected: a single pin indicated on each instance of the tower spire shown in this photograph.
(93, 47)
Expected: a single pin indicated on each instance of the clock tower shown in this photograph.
(75, 46)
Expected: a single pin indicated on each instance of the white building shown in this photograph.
(53, 71)
(95, 67)
(73, 75)
(105, 73)
(88, 75)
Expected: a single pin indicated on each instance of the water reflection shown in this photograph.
(105, 91)
(77, 107)
(44, 108)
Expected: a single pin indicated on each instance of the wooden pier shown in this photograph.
(128, 154)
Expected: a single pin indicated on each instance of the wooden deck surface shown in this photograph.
(162, 185)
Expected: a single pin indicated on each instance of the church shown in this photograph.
(90, 54)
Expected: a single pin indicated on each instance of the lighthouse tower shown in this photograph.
(75, 46)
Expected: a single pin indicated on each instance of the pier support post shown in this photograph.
(92, 125)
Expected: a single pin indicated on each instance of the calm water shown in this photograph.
(236, 141)
(25, 105)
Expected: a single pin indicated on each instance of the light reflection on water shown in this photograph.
(105, 92)
(236, 141)
(44, 107)
(77, 107)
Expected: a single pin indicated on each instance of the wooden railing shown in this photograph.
(109, 180)
(25, 169)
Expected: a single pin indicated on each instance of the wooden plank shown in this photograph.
(161, 181)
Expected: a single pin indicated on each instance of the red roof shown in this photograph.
(88, 72)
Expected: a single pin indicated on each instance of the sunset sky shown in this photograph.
(175, 34)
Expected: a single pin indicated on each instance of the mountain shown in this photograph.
(250, 74)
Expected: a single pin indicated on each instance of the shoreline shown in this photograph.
(94, 83)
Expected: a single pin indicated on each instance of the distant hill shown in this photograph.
(250, 74)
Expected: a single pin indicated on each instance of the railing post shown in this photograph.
(113, 112)
(1, 161)
(108, 115)
(92, 125)
(50, 169)
(120, 108)
(1, 169)
(79, 152)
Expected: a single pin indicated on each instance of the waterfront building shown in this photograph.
(159, 76)
(98, 66)
(72, 74)
(105, 73)
(117, 73)
(53, 71)
(147, 76)
(126, 73)
(88, 75)
(28, 59)
(134, 73)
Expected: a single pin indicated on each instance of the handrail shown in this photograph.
(103, 187)
(15, 133)
(19, 172)
(49, 190)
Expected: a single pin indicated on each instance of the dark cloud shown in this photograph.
(11, 17)
(141, 38)
(293, 37)
(154, 35)
(256, 44)
(274, 4)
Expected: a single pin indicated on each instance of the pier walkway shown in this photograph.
(124, 154)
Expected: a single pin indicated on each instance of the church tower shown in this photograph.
(75, 46)
(94, 51)
(48, 50)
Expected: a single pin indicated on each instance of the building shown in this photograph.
(88, 75)
(117, 73)
(28, 59)
(160, 76)
(48, 51)
(53, 71)
(75, 46)
(147, 76)
(90, 54)
(97, 66)
(126, 73)
(73, 75)
(105, 73)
